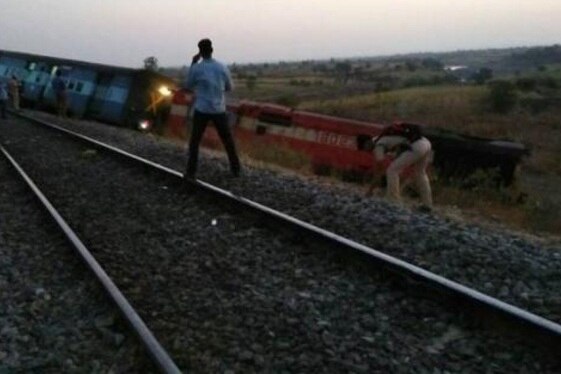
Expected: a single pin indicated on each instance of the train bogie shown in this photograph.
(333, 143)
(117, 95)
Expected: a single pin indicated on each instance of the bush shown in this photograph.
(542, 215)
(416, 81)
(482, 75)
(535, 103)
(549, 82)
(483, 179)
(526, 84)
(502, 96)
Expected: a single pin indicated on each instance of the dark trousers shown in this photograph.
(61, 104)
(3, 108)
(220, 121)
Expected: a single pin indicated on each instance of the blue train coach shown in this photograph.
(113, 94)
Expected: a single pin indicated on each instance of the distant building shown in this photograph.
(454, 67)
(462, 73)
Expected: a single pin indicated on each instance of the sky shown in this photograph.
(125, 32)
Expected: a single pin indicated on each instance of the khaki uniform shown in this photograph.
(418, 157)
(13, 88)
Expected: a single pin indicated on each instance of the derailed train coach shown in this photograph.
(143, 99)
(117, 95)
(346, 145)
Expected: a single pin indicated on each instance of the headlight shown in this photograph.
(144, 125)
(164, 91)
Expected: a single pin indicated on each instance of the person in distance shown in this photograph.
(59, 88)
(3, 100)
(14, 87)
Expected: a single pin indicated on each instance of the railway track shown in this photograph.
(306, 237)
(159, 356)
(54, 317)
(515, 267)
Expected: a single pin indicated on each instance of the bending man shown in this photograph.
(412, 150)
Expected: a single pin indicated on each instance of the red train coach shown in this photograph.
(345, 144)
(329, 142)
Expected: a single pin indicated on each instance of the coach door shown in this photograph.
(110, 96)
(96, 106)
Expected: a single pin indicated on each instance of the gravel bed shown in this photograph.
(54, 317)
(511, 266)
(226, 296)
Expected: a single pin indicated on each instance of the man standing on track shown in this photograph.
(209, 79)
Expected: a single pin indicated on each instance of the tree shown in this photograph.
(151, 63)
(483, 75)
(411, 65)
(432, 64)
(320, 68)
(502, 96)
(526, 84)
(343, 69)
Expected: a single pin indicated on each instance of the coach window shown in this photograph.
(71, 85)
(79, 86)
(31, 66)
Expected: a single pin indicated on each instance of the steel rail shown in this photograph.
(460, 294)
(154, 348)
